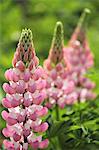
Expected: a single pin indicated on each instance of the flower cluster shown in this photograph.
(25, 94)
(80, 59)
(60, 89)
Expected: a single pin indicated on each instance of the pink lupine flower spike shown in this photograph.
(60, 90)
(25, 93)
(80, 59)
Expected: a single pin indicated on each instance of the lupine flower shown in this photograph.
(60, 90)
(80, 59)
(25, 94)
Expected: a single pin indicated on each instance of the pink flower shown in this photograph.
(80, 59)
(8, 145)
(78, 52)
(58, 86)
(25, 94)
(44, 144)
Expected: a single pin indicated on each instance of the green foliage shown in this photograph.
(78, 127)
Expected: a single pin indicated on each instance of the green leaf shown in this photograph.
(58, 127)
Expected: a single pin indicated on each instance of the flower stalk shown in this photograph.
(25, 93)
(80, 59)
(60, 90)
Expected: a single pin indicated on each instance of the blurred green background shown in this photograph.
(40, 16)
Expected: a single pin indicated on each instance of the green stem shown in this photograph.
(53, 144)
(57, 119)
(57, 113)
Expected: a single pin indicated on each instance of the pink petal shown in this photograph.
(8, 145)
(32, 88)
(41, 128)
(42, 112)
(26, 76)
(6, 103)
(53, 74)
(8, 89)
(16, 137)
(11, 121)
(35, 145)
(20, 65)
(41, 84)
(5, 115)
(27, 102)
(15, 103)
(44, 144)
